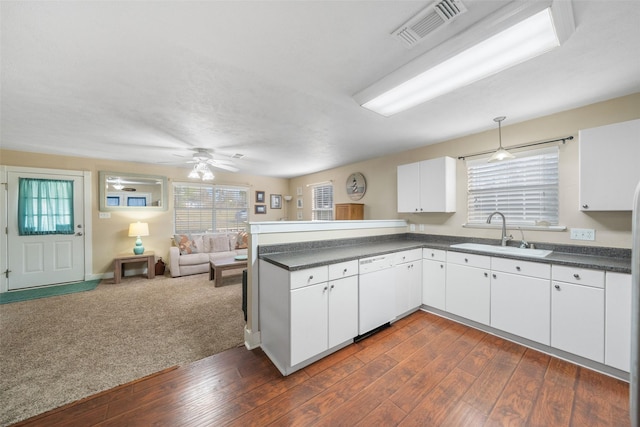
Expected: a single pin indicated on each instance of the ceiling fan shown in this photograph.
(203, 157)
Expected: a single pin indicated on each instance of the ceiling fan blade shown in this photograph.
(226, 167)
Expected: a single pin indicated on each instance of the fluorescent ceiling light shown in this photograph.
(526, 39)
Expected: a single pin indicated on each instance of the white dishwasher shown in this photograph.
(377, 292)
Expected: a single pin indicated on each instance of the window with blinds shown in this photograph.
(322, 206)
(201, 208)
(524, 189)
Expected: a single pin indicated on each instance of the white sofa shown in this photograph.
(193, 253)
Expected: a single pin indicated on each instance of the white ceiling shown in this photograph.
(273, 80)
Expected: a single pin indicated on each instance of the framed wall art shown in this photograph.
(276, 201)
(260, 197)
(261, 209)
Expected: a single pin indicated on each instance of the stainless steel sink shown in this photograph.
(505, 250)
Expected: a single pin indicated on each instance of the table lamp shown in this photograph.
(138, 229)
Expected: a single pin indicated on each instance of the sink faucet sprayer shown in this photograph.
(504, 237)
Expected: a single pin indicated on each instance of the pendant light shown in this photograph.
(501, 153)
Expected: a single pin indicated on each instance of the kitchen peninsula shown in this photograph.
(298, 278)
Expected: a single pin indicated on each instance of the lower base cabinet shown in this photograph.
(521, 306)
(617, 344)
(577, 317)
(468, 291)
(433, 278)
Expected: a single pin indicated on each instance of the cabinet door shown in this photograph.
(433, 284)
(521, 305)
(408, 286)
(409, 187)
(437, 185)
(468, 292)
(309, 322)
(577, 320)
(608, 166)
(617, 348)
(343, 310)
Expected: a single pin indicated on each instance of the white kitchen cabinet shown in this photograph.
(577, 311)
(468, 286)
(408, 280)
(617, 347)
(608, 166)
(433, 278)
(521, 298)
(325, 314)
(427, 186)
(305, 313)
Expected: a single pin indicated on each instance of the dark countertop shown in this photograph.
(298, 256)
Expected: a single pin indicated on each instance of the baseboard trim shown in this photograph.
(47, 291)
(251, 339)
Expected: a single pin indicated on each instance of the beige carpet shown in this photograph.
(59, 349)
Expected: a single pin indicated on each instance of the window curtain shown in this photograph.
(45, 206)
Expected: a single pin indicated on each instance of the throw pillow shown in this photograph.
(186, 244)
(220, 244)
(242, 242)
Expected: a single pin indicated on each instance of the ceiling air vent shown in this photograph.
(428, 20)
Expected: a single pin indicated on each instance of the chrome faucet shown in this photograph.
(504, 238)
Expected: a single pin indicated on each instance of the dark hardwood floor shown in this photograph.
(423, 371)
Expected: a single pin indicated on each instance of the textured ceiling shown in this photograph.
(273, 80)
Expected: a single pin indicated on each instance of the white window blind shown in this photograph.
(200, 208)
(524, 189)
(322, 206)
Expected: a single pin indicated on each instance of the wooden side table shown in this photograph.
(148, 257)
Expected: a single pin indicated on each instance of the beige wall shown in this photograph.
(110, 235)
(612, 228)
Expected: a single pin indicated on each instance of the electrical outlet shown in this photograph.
(412, 227)
(583, 234)
(105, 215)
(421, 226)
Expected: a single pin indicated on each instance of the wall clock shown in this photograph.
(356, 186)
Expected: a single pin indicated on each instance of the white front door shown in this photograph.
(44, 259)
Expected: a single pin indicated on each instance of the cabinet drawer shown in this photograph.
(471, 260)
(524, 268)
(407, 256)
(434, 254)
(343, 269)
(309, 276)
(580, 276)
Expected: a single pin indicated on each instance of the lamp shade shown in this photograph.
(138, 229)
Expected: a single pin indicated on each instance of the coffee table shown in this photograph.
(220, 265)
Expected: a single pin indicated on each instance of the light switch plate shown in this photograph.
(583, 234)
(105, 215)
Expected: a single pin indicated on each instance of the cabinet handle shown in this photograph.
(486, 274)
(333, 286)
(432, 254)
(344, 271)
(585, 206)
(577, 276)
(441, 265)
(494, 276)
(466, 260)
(518, 267)
(325, 289)
(310, 277)
(557, 287)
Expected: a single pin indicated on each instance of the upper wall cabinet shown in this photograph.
(609, 168)
(128, 191)
(427, 186)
